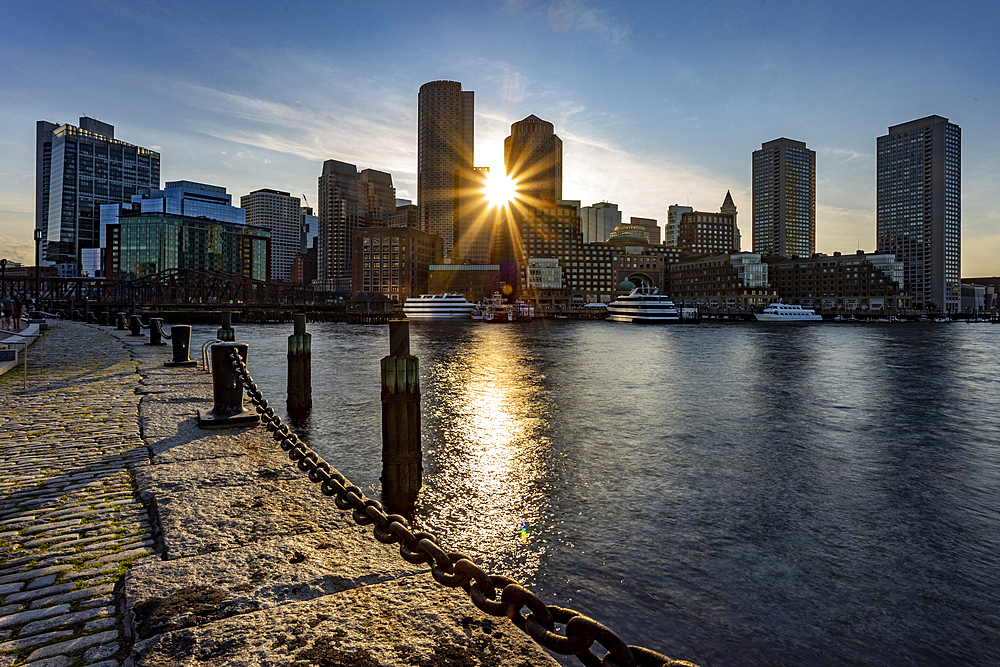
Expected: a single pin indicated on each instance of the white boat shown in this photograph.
(787, 312)
(438, 307)
(644, 305)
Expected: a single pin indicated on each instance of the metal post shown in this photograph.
(227, 390)
(155, 324)
(401, 455)
(121, 321)
(299, 372)
(180, 336)
(135, 326)
(226, 333)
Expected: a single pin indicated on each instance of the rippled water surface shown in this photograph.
(727, 494)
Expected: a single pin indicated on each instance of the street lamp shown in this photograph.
(38, 245)
(3, 277)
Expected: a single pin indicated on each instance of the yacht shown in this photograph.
(438, 307)
(644, 305)
(786, 312)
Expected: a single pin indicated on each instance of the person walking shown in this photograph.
(6, 312)
(18, 312)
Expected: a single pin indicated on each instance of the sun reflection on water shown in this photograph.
(486, 446)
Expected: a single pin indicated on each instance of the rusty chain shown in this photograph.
(492, 594)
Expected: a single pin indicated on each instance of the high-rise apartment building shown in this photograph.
(348, 200)
(784, 199)
(76, 170)
(445, 137)
(598, 221)
(282, 214)
(673, 230)
(919, 216)
(532, 157)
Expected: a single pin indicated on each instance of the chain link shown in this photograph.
(456, 570)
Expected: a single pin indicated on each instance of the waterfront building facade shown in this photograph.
(533, 160)
(394, 261)
(702, 233)
(144, 243)
(282, 214)
(77, 169)
(597, 221)
(860, 281)
(445, 139)
(784, 199)
(474, 281)
(734, 281)
(349, 200)
(919, 207)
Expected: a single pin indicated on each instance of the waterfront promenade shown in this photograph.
(129, 536)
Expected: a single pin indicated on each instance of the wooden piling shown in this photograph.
(402, 466)
(299, 372)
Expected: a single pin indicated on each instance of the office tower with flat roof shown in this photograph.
(76, 170)
(445, 137)
(652, 229)
(598, 221)
(474, 217)
(784, 199)
(532, 157)
(348, 200)
(673, 228)
(919, 207)
(282, 214)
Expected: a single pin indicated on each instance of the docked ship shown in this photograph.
(644, 305)
(438, 307)
(495, 309)
(787, 312)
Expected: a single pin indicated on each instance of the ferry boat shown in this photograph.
(644, 305)
(438, 307)
(786, 312)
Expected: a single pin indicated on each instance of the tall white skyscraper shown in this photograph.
(282, 214)
(919, 216)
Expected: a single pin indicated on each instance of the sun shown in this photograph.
(499, 188)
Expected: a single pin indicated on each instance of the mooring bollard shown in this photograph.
(121, 321)
(180, 336)
(227, 332)
(402, 466)
(135, 326)
(155, 330)
(227, 390)
(299, 372)
(105, 318)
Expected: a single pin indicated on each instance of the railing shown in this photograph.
(24, 351)
(456, 570)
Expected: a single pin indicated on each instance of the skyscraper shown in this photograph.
(674, 213)
(474, 217)
(282, 214)
(598, 221)
(784, 199)
(348, 201)
(532, 156)
(445, 124)
(76, 170)
(919, 216)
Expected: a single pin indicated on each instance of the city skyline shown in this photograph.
(656, 106)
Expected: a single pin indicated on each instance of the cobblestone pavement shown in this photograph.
(71, 523)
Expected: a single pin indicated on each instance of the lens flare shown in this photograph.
(499, 188)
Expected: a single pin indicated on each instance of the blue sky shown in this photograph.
(657, 103)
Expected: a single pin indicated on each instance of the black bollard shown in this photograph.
(122, 322)
(227, 390)
(155, 324)
(402, 466)
(105, 318)
(180, 336)
(227, 332)
(299, 372)
(135, 326)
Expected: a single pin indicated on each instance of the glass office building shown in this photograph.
(784, 199)
(144, 244)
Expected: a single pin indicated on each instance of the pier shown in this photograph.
(129, 536)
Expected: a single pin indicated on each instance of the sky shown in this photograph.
(657, 103)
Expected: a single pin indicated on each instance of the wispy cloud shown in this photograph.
(571, 15)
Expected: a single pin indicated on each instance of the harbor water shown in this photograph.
(729, 494)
